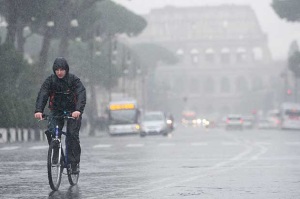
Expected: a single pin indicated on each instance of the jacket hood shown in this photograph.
(62, 63)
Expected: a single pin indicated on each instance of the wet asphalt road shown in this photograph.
(191, 163)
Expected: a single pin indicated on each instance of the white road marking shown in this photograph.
(9, 148)
(160, 144)
(293, 143)
(39, 147)
(102, 146)
(217, 168)
(199, 144)
(230, 143)
(262, 143)
(166, 144)
(134, 145)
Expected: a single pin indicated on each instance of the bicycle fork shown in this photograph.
(58, 143)
(58, 139)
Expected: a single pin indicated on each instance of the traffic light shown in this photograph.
(289, 91)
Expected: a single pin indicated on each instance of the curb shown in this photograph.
(12, 135)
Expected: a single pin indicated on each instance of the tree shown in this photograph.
(287, 9)
(105, 20)
(294, 66)
(19, 14)
(294, 47)
(16, 83)
(294, 63)
(150, 54)
(53, 21)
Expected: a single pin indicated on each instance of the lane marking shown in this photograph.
(134, 145)
(263, 143)
(209, 171)
(230, 143)
(39, 147)
(9, 148)
(102, 146)
(293, 143)
(161, 144)
(199, 144)
(166, 144)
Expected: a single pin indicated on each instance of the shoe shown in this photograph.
(74, 168)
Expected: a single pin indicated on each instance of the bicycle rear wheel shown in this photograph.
(73, 178)
(54, 165)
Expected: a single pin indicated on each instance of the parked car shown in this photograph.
(264, 124)
(248, 122)
(153, 123)
(234, 122)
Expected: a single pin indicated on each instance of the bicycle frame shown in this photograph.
(62, 160)
(57, 137)
(61, 150)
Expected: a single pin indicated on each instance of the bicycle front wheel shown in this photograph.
(54, 165)
(72, 177)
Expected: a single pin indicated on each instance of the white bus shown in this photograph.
(123, 117)
(290, 115)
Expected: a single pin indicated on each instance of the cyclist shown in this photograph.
(66, 93)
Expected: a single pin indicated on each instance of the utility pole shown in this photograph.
(109, 65)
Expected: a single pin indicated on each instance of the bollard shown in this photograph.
(19, 135)
(12, 135)
(3, 135)
(25, 135)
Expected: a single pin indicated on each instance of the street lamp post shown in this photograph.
(109, 69)
(112, 61)
(125, 67)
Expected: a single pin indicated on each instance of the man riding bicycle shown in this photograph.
(66, 93)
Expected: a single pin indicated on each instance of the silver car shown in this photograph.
(154, 123)
(234, 122)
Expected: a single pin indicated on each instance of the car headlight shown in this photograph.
(137, 127)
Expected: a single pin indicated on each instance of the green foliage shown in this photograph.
(287, 9)
(88, 65)
(106, 19)
(117, 19)
(16, 89)
(95, 18)
(150, 54)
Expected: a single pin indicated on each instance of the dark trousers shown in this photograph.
(72, 138)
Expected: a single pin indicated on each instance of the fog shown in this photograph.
(279, 41)
(218, 88)
(168, 98)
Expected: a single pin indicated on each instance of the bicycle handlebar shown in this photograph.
(46, 117)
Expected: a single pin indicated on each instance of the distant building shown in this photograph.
(225, 63)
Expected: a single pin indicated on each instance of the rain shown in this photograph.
(174, 98)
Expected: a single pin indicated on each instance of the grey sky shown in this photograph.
(280, 32)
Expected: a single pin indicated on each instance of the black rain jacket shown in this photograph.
(66, 94)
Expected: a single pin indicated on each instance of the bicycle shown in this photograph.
(55, 169)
